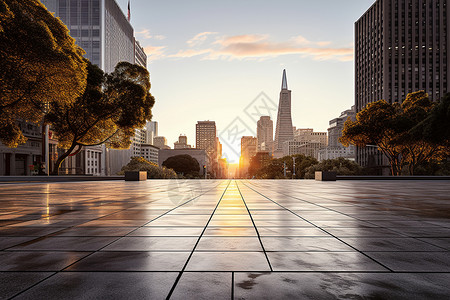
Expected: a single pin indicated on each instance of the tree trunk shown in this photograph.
(61, 159)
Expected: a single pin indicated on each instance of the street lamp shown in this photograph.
(293, 175)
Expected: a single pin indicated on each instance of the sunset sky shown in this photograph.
(209, 60)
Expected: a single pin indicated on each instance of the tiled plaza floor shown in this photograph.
(225, 239)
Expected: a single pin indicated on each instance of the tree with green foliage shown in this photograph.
(108, 112)
(257, 162)
(393, 129)
(436, 127)
(183, 164)
(39, 63)
(416, 108)
(376, 124)
(339, 165)
(274, 168)
(152, 169)
(302, 163)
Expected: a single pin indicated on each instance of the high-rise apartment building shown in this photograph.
(401, 46)
(151, 131)
(205, 137)
(264, 134)
(99, 27)
(284, 131)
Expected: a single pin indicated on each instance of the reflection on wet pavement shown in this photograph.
(222, 239)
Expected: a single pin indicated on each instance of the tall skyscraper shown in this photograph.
(99, 27)
(151, 131)
(265, 134)
(284, 131)
(401, 47)
(205, 137)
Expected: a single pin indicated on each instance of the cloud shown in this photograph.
(154, 52)
(199, 38)
(190, 53)
(259, 46)
(240, 39)
(251, 46)
(145, 33)
(301, 40)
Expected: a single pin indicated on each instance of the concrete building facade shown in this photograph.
(206, 137)
(306, 142)
(264, 134)
(335, 149)
(160, 142)
(284, 131)
(181, 143)
(401, 46)
(150, 153)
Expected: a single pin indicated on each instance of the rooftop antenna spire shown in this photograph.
(129, 12)
(284, 82)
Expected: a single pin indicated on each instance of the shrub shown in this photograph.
(153, 170)
(339, 165)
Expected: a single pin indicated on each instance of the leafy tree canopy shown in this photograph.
(183, 163)
(39, 63)
(393, 129)
(436, 127)
(109, 111)
(274, 168)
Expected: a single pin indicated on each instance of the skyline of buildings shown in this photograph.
(398, 49)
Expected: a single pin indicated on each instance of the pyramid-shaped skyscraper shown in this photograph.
(284, 131)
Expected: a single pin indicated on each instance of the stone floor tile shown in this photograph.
(105, 285)
(322, 261)
(203, 286)
(132, 261)
(413, 261)
(51, 243)
(227, 261)
(226, 244)
(341, 286)
(153, 244)
(12, 283)
(38, 260)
